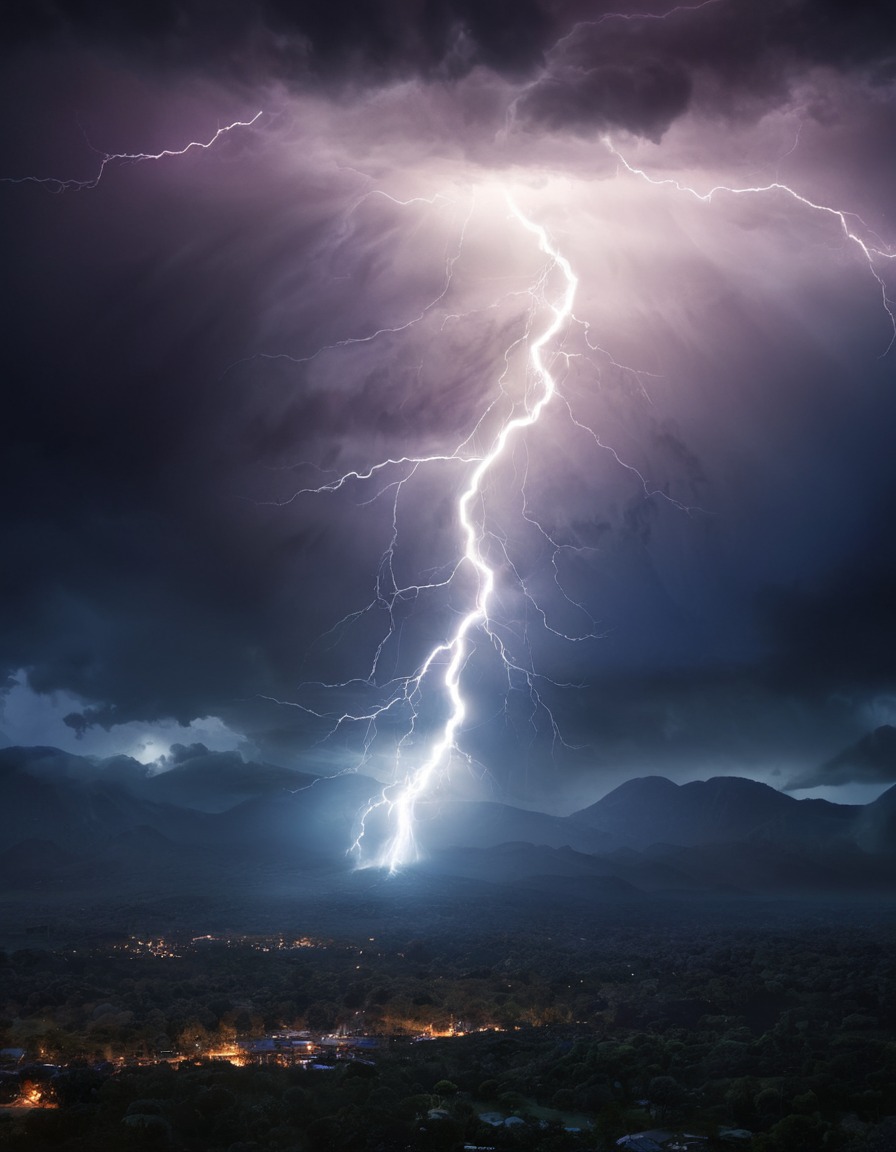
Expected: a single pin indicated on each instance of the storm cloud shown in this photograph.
(871, 760)
(196, 341)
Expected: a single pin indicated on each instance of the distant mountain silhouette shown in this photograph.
(44, 795)
(654, 810)
(483, 824)
(876, 824)
(216, 781)
(68, 821)
(76, 800)
(319, 820)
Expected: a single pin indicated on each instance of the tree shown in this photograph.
(665, 1094)
(797, 1134)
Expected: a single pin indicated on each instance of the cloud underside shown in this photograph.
(575, 66)
(871, 760)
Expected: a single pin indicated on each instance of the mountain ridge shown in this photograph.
(649, 835)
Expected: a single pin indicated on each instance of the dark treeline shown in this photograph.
(787, 1032)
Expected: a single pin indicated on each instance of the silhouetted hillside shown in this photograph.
(483, 824)
(318, 820)
(81, 801)
(104, 826)
(654, 810)
(44, 796)
(216, 781)
(876, 824)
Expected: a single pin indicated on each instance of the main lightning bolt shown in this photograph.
(447, 659)
(401, 798)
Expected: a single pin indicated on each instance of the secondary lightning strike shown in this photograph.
(870, 251)
(401, 798)
(451, 258)
(57, 184)
(634, 17)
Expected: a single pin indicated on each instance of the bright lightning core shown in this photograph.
(512, 406)
(401, 798)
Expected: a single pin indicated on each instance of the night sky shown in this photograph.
(706, 509)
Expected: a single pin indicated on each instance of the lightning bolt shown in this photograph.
(635, 17)
(401, 798)
(479, 544)
(67, 184)
(872, 249)
(448, 659)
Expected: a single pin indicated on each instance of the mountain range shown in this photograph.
(69, 822)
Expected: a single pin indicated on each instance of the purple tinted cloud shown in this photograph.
(195, 340)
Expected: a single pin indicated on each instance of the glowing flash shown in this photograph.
(401, 798)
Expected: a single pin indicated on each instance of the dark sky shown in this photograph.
(706, 506)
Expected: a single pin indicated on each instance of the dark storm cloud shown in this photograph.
(643, 97)
(323, 40)
(131, 582)
(871, 760)
(839, 635)
(140, 425)
(639, 73)
(593, 65)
